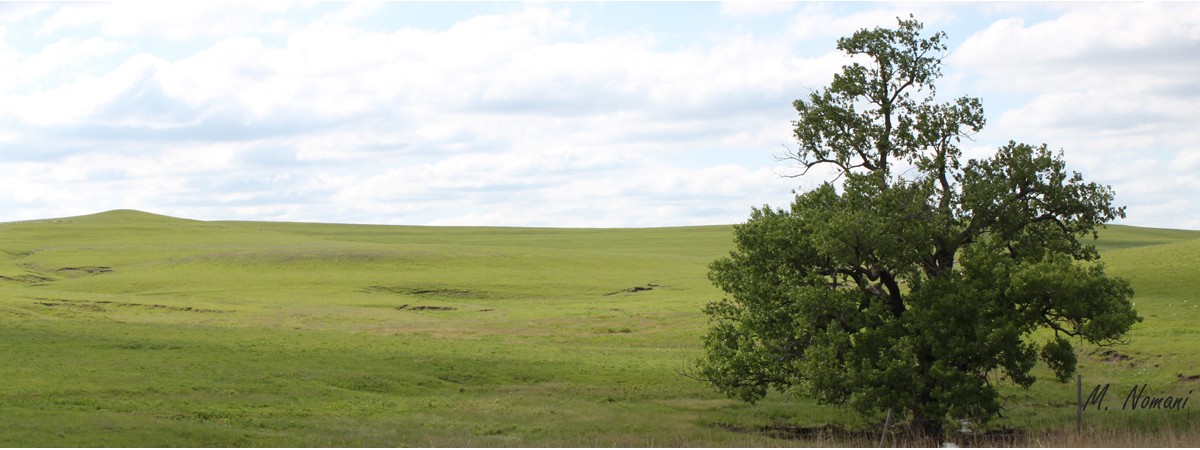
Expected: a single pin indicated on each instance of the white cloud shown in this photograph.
(439, 83)
(353, 11)
(1188, 159)
(174, 20)
(818, 21)
(523, 189)
(85, 96)
(11, 11)
(497, 116)
(740, 9)
(1108, 36)
(69, 53)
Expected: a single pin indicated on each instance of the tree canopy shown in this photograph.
(912, 291)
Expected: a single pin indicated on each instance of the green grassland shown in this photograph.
(132, 329)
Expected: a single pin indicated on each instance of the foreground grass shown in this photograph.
(130, 329)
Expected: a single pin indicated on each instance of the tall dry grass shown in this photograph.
(1167, 436)
(1126, 436)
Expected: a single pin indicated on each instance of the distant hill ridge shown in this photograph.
(130, 215)
(1112, 238)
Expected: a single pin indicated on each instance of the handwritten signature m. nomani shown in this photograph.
(1136, 399)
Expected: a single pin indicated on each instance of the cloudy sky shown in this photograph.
(618, 114)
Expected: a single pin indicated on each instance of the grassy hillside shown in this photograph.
(132, 329)
(1115, 237)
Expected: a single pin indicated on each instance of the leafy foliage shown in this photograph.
(909, 291)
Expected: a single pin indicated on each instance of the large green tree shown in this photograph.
(914, 289)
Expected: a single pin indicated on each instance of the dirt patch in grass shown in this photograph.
(78, 304)
(85, 306)
(425, 308)
(141, 345)
(28, 278)
(171, 308)
(73, 272)
(100, 306)
(634, 289)
(1113, 356)
(427, 291)
(1183, 377)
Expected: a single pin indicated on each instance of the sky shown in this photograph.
(614, 114)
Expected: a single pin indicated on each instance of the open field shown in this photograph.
(131, 329)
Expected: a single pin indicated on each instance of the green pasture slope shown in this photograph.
(132, 329)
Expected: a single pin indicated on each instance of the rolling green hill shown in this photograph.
(132, 329)
(1116, 237)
